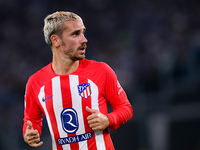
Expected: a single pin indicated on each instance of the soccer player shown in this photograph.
(72, 92)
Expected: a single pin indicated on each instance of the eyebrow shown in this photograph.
(78, 31)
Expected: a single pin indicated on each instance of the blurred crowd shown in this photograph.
(153, 46)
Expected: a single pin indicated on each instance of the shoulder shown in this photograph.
(100, 68)
(95, 64)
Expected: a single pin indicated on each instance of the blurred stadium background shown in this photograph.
(153, 46)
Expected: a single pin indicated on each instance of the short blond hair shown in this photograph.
(54, 24)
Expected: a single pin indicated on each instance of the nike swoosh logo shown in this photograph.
(44, 99)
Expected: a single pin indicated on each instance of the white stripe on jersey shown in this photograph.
(40, 97)
(94, 100)
(58, 107)
(77, 105)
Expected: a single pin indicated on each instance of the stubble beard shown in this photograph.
(74, 57)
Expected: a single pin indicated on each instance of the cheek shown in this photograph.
(70, 45)
(73, 45)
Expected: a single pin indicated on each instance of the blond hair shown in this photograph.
(54, 24)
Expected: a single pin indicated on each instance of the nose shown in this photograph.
(84, 40)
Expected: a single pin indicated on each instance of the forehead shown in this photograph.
(74, 25)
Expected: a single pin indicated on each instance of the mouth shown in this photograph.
(82, 49)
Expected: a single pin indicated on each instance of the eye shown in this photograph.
(75, 34)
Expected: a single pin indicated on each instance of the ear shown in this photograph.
(55, 40)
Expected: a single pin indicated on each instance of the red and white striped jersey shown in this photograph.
(63, 100)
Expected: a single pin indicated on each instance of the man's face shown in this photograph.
(73, 40)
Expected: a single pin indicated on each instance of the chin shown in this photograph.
(82, 57)
(78, 58)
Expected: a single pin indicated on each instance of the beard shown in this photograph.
(75, 58)
(75, 54)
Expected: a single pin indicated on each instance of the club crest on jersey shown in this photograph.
(84, 90)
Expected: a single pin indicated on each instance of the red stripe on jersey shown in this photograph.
(66, 96)
(49, 106)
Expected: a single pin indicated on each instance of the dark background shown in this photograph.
(153, 46)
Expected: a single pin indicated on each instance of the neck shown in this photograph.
(65, 66)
